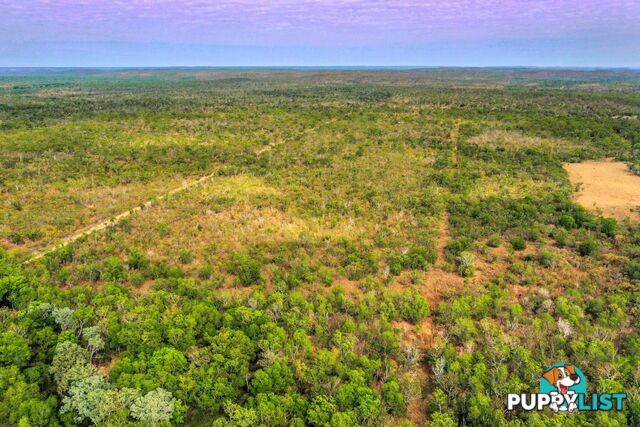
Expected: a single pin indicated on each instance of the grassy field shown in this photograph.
(368, 247)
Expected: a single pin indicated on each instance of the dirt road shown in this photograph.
(114, 220)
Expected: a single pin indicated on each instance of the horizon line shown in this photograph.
(330, 67)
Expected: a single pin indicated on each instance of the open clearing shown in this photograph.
(607, 185)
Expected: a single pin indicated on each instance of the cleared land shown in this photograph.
(607, 185)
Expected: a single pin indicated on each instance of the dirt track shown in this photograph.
(39, 253)
(114, 220)
(607, 185)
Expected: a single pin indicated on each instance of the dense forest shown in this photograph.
(311, 247)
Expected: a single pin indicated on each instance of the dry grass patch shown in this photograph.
(606, 185)
(225, 215)
(54, 211)
(509, 140)
(504, 186)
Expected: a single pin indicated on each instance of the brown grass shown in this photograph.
(510, 140)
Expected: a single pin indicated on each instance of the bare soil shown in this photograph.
(606, 185)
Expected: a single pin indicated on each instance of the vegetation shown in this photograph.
(368, 248)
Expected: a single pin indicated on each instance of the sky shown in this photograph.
(139, 33)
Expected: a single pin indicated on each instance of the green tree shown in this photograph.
(155, 407)
(137, 260)
(70, 364)
(14, 350)
(587, 247)
(442, 420)
(84, 397)
(394, 398)
(272, 379)
(22, 402)
(321, 409)
(64, 317)
(246, 269)
(609, 226)
(94, 340)
(237, 416)
(114, 270)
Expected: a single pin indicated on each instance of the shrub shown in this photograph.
(205, 272)
(185, 256)
(63, 275)
(359, 261)
(596, 307)
(136, 278)
(440, 419)
(609, 227)
(301, 272)
(518, 243)
(163, 229)
(114, 270)
(157, 270)
(494, 241)
(246, 269)
(325, 276)
(64, 255)
(34, 235)
(532, 234)
(561, 237)
(457, 246)
(464, 264)
(567, 221)
(174, 272)
(547, 258)
(368, 284)
(412, 306)
(395, 264)
(587, 247)
(137, 260)
(394, 398)
(632, 269)
(16, 238)
(124, 225)
(90, 272)
(581, 216)
(417, 258)
(463, 329)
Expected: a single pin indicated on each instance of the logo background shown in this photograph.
(546, 387)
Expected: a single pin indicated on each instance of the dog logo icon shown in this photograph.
(563, 382)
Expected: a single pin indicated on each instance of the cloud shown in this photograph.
(310, 21)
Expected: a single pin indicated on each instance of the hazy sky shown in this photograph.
(319, 32)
